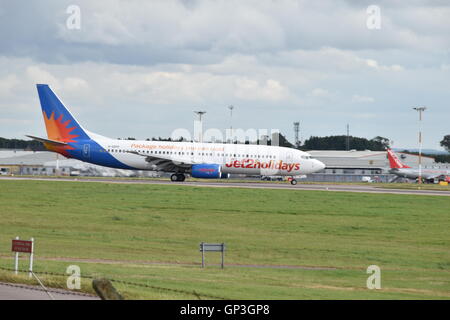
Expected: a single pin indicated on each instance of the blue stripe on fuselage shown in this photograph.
(90, 151)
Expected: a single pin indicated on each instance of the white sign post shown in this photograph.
(218, 247)
(16, 263)
(26, 246)
(31, 258)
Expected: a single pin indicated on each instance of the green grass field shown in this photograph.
(149, 234)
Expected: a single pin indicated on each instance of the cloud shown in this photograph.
(13, 121)
(140, 67)
(272, 90)
(374, 64)
(8, 83)
(39, 75)
(319, 92)
(363, 116)
(75, 84)
(362, 99)
(152, 32)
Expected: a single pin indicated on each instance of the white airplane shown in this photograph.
(402, 170)
(200, 160)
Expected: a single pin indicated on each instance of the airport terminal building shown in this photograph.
(357, 166)
(20, 162)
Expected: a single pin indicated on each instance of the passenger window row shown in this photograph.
(234, 155)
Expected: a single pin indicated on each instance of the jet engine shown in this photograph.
(208, 171)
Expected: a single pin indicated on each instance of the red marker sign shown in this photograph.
(22, 246)
(25, 246)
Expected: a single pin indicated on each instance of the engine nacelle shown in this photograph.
(206, 171)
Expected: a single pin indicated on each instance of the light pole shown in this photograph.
(420, 110)
(347, 141)
(296, 132)
(231, 122)
(200, 114)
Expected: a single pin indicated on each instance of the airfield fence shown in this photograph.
(194, 293)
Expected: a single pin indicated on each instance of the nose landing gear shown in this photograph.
(293, 181)
(177, 177)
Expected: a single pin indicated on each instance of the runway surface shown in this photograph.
(253, 185)
(12, 291)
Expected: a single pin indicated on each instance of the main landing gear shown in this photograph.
(293, 181)
(177, 177)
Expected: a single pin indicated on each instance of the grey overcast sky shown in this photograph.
(139, 68)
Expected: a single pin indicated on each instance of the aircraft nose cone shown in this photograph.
(321, 165)
(318, 165)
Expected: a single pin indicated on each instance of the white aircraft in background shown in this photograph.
(402, 170)
(200, 160)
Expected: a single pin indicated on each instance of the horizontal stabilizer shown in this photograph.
(54, 142)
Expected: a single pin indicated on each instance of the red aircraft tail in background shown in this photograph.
(395, 162)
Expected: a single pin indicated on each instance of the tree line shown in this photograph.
(346, 143)
(31, 145)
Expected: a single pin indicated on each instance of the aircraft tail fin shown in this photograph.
(59, 122)
(394, 161)
(63, 130)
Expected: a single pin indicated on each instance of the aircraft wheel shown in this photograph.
(293, 182)
(181, 177)
(174, 177)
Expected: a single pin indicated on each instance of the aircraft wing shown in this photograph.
(163, 164)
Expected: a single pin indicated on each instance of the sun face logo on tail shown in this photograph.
(59, 131)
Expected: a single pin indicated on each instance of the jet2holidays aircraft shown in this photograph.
(66, 136)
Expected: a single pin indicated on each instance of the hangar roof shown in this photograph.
(365, 159)
(27, 158)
